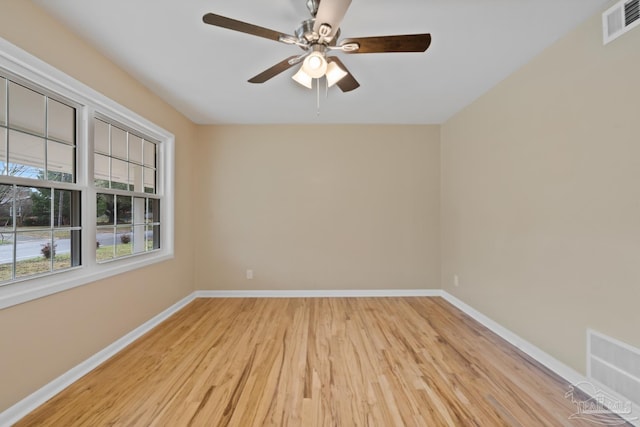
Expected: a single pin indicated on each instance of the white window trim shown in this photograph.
(19, 62)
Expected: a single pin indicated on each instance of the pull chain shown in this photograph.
(326, 88)
(318, 96)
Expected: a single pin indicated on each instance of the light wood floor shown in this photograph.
(305, 362)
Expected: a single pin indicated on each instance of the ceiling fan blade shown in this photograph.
(274, 71)
(331, 12)
(381, 44)
(243, 27)
(348, 82)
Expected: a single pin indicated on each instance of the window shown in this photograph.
(125, 167)
(40, 224)
(86, 185)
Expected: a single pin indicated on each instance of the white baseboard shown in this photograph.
(37, 398)
(321, 293)
(31, 402)
(545, 359)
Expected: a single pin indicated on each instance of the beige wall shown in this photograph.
(318, 207)
(541, 196)
(42, 339)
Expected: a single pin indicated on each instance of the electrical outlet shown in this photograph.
(456, 280)
(249, 274)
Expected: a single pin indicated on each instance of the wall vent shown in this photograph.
(620, 18)
(614, 364)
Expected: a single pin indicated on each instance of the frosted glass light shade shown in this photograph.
(334, 74)
(303, 78)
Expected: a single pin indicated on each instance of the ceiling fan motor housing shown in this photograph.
(305, 31)
(306, 35)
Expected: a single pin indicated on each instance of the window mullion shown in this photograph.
(14, 228)
(7, 118)
(88, 203)
(46, 136)
(52, 213)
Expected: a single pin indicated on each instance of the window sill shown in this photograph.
(37, 287)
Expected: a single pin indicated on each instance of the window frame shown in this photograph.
(19, 64)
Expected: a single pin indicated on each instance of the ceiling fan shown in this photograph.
(318, 37)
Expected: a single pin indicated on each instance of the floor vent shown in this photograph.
(614, 364)
(620, 18)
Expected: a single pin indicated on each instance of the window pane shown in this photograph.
(118, 143)
(101, 171)
(135, 149)
(149, 154)
(104, 211)
(35, 206)
(135, 177)
(62, 208)
(124, 241)
(26, 155)
(101, 137)
(153, 237)
(3, 151)
(62, 245)
(6, 257)
(153, 213)
(60, 159)
(34, 250)
(26, 109)
(3, 101)
(6, 210)
(153, 210)
(139, 239)
(140, 215)
(152, 234)
(119, 174)
(61, 122)
(123, 210)
(105, 243)
(139, 210)
(149, 181)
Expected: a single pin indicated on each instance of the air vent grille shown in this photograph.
(620, 18)
(631, 12)
(615, 365)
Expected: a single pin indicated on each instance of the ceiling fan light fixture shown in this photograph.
(315, 65)
(334, 74)
(303, 78)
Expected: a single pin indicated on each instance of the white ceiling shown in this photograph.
(203, 70)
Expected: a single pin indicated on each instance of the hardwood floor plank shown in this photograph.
(315, 362)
